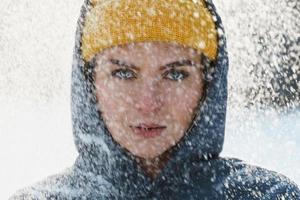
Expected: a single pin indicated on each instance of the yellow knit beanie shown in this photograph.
(118, 22)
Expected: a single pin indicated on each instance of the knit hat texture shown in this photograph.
(118, 22)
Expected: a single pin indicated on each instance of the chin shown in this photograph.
(150, 149)
(147, 154)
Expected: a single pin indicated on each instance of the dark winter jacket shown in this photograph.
(104, 170)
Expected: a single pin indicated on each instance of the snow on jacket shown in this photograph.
(103, 170)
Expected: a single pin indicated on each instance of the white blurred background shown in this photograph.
(36, 46)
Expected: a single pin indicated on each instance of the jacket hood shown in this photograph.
(103, 170)
(101, 154)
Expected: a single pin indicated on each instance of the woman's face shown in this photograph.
(148, 94)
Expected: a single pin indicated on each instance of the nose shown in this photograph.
(149, 100)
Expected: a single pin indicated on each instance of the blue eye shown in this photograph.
(124, 74)
(176, 75)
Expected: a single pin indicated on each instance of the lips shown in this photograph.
(148, 130)
(150, 126)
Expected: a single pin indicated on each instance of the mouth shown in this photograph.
(148, 130)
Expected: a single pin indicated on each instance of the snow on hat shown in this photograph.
(119, 22)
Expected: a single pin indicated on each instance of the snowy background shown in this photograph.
(36, 45)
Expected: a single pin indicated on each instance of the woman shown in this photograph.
(149, 90)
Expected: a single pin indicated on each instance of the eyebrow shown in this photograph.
(180, 63)
(123, 64)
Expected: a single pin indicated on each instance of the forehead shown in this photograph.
(150, 51)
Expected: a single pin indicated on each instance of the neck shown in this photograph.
(153, 166)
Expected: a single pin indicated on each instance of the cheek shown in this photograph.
(181, 109)
(106, 97)
(183, 100)
(113, 98)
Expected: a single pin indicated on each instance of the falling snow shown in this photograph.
(262, 117)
